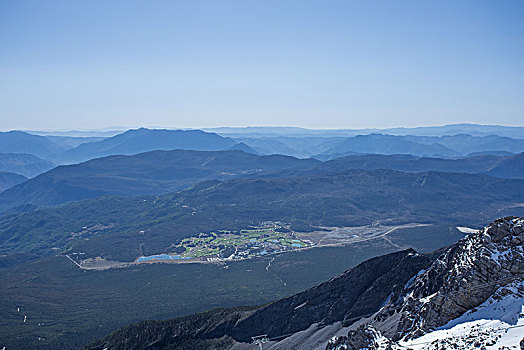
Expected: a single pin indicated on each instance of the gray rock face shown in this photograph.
(462, 278)
(365, 337)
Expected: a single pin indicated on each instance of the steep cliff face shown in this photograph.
(464, 277)
(487, 266)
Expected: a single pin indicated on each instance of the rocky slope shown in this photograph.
(482, 270)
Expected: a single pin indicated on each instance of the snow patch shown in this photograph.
(412, 279)
(298, 307)
(496, 323)
(427, 299)
(467, 230)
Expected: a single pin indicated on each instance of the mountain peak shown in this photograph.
(484, 264)
(507, 231)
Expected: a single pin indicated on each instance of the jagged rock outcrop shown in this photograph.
(365, 337)
(461, 279)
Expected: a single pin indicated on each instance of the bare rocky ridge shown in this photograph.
(461, 279)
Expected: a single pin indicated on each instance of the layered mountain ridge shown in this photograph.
(92, 237)
(159, 172)
(155, 172)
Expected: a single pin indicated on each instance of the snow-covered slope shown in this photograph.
(496, 323)
(471, 297)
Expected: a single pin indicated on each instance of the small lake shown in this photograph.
(161, 257)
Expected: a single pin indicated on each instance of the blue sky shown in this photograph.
(321, 64)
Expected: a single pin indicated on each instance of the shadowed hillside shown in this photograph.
(22, 142)
(155, 172)
(24, 164)
(8, 180)
(351, 198)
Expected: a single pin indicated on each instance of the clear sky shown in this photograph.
(322, 64)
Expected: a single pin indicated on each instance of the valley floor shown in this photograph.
(67, 307)
(225, 246)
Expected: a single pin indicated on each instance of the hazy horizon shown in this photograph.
(129, 127)
(204, 64)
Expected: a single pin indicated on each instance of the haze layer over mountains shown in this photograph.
(241, 152)
(102, 230)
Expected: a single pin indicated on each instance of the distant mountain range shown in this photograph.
(160, 172)
(68, 149)
(388, 144)
(8, 180)
(21, 142)
(511, 167)
(24, 164)
(154, 172)
(451, 129)
(464, 128)
(499, 166)
(143, 140)
(467, 144)
(328, 148)
(67, 142)
(446, 142)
